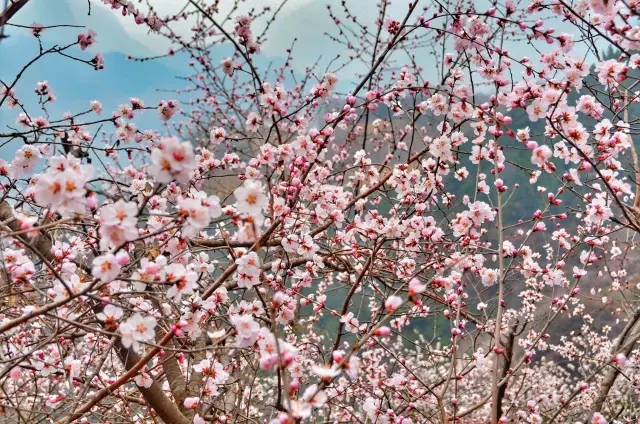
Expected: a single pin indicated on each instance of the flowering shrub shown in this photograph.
(393, 251)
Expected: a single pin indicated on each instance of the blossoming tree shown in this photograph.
(400, 250)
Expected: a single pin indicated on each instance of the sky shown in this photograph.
(304, 20)
(120, 34)
(77, 84)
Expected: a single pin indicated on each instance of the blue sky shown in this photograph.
(305, 20)
(77, 84)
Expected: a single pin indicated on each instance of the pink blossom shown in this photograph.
(172, 160)
(166, 109)
(248, 270)
(620, 359)
(106, 267)
(191, 402)
(86, 40)
(25, 160)
(110, 314)
(250, 198)
(227, 66)
(247, 330)
(198, 212)
(62, 185)
(143, 380)
(392, 303)
(541, 155)
(184, 281)
(137, 329)
(351, 323)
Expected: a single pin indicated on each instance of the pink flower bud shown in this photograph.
(382, 331)
(15, 373)
(267, 362)
(92, 201)
(532, 145)
(288, 358)
(122, 258)
(620, 359)
(416, 287)
(393, 303)
(191, 402)
(598, 418)
(278, 299)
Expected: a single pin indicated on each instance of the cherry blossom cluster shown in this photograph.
(407, 248)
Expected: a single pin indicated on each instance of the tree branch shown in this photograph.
(154, 395)
(11, 10)
(613, 372)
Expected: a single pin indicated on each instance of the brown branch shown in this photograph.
(5, 287)
(166, 409)
(356, 285)
(154, 395)
(173, 373)
(634, 156)
(595, 374)
(134, 365)
(613, 372)
(41, 242)
(12, 9)
(506, 366)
